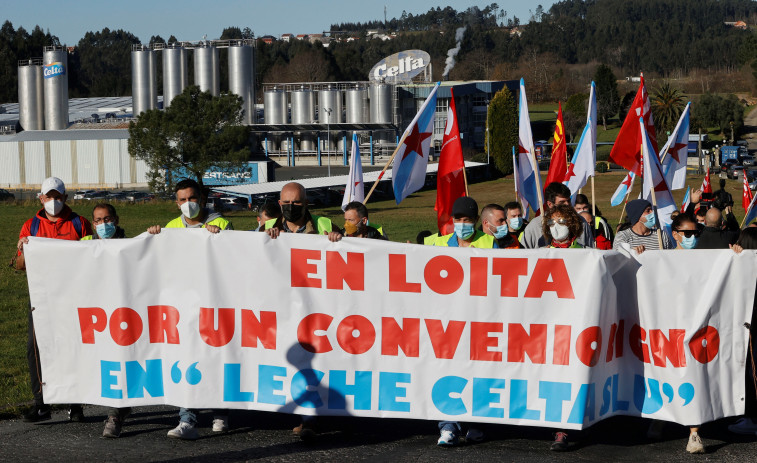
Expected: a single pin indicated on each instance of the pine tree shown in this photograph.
(608, 100)
(503, 129)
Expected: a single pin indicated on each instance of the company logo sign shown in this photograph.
(53, 70)
(400, 67)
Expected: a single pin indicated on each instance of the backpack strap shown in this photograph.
(35, 226)
(77, 224)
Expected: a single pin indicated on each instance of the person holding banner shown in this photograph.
(55, 220)
(295, 216)
(356, 224)
(267, 211)
(464, 217)
(503, 223)
(641, 224)
(555, 194)
(561, 227)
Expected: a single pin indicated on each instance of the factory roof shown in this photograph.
(50, 135)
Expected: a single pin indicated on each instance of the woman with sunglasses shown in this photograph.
(561, 227)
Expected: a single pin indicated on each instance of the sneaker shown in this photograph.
(655, 430)
(448, 437)
(474, 435)
(220, 424)
(112, 427)
(305, 431)
(561, 442)
(37, 413)
(695, 444)
(743, 426)
(185, 431)
(75, 414)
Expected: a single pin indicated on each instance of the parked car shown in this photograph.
(746, 160)
(81, 193)
(232, 203)
(6, 195)
(734, 171)
(96, 195)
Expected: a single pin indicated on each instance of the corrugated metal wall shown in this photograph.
(34, 161)
(60, 161)
(86, 160)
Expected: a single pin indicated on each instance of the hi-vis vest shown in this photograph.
(480, 240)
(219, 222)
(322, 223)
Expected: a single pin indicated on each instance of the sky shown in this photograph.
(190, 20)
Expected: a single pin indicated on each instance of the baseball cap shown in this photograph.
(53, 183)
(465, 206)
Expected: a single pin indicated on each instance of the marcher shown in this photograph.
(356, 223)
(562, 227)
(716, 233)
(295, 216)
(105, 219)
(494, 222)
(600, 242)
(640, 234)
(267, 211)
(722, 198)
(599, 224)
(555, 194)
(190, 199)
(54, 220)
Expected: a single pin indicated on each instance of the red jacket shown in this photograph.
(64, 228)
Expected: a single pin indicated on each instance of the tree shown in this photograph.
(503, 129)
(717, 111)
(574, 113)
(608, 100)
(197, 132)
(667, 104)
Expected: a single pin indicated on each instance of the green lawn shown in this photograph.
(401, 222)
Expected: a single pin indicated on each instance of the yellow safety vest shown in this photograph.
(86, 238)
(219, 222)
(430, 239)
(480, 240)
(323, 224)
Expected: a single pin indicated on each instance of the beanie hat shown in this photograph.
(635, 209)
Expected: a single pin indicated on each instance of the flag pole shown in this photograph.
(593, 202)
(465, 179)
(375, 184)
(654, 203)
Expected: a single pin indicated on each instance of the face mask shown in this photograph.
(105, 230)
(350, 228)
(292, 212)
(464, 230)
(53, 207)
(501, 231)
(516, 223)
(689, 242)
(559, 231)
(650, 221)
(190, 209)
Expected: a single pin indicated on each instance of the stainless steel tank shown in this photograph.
(144, 95)
(303, 112)
(381, 110)
(175, 75)
(275, 106)
(207, 73)
(55, 73)
(241, 77)
(356, 104)
(329, 99)
(31, 98)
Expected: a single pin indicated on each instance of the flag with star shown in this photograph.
(450, 178)
(625, 152)
(624, 189)
(354, 189)
(529, 169)
(411, 158)
(677, 149)
(585, 156)
(654, 179)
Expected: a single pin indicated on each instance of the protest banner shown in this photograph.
(556, 338)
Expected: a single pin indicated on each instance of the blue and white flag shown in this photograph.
(624, 189)
(528, 173)
(655, 180)
(409, 168)
(354, 189)
(686, 200)
(585, 157)
(677, 149)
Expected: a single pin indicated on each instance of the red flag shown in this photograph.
(450, 183)
(706, 185)
(626, 151)
(558, 165)
(746, 200)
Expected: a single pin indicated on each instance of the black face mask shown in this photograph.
(292, 212)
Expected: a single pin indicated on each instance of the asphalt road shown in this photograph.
(267, 437)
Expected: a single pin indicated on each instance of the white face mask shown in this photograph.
(559, 231)
(190, 209)
(53, 207)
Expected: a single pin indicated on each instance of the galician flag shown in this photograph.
(528, 172)
(354, 189)
(686, 200)
(585, 156)
(411, 157)
(654, 179)
(624, 189)
(676, 153)
(450, 178)
(519, 186)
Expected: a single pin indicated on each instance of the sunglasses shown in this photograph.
(561, 221)
(689, 233)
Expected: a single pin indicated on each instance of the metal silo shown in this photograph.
(356, 103)
(207, 73)
(330, 99)
(303, 112)
(241, 77)
(144, 95)
(175, 78)
(381, 109)
(31, 98)
(55, 72)
(274, 112)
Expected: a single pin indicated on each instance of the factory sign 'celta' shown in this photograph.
(53, 69)
(400, 67)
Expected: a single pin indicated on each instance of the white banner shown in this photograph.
(556, 338)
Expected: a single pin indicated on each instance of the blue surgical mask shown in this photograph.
(516, 223)
(105, 230)
(464, 230)
(501, 231)
(650, 221)
(689, 242)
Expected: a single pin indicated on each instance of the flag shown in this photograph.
(354, 189)
(654, 178)
(676, 153)
(706, 185)
(686, 200)
(411, 156)
(751, 212)
(450, 181)
(519, 186)
(624, 189)
(746, 199)
(558, 165)
(625, 151)
(585, 156)
(529, 170)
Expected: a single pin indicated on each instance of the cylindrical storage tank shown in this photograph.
(55, 72)
(356, 102)
(275, 106)
(175, 78)
(329, 98)
(143, 81)
(303, 112)
(31, 96)
(240, 77)
(207, 73)
(381, 110)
